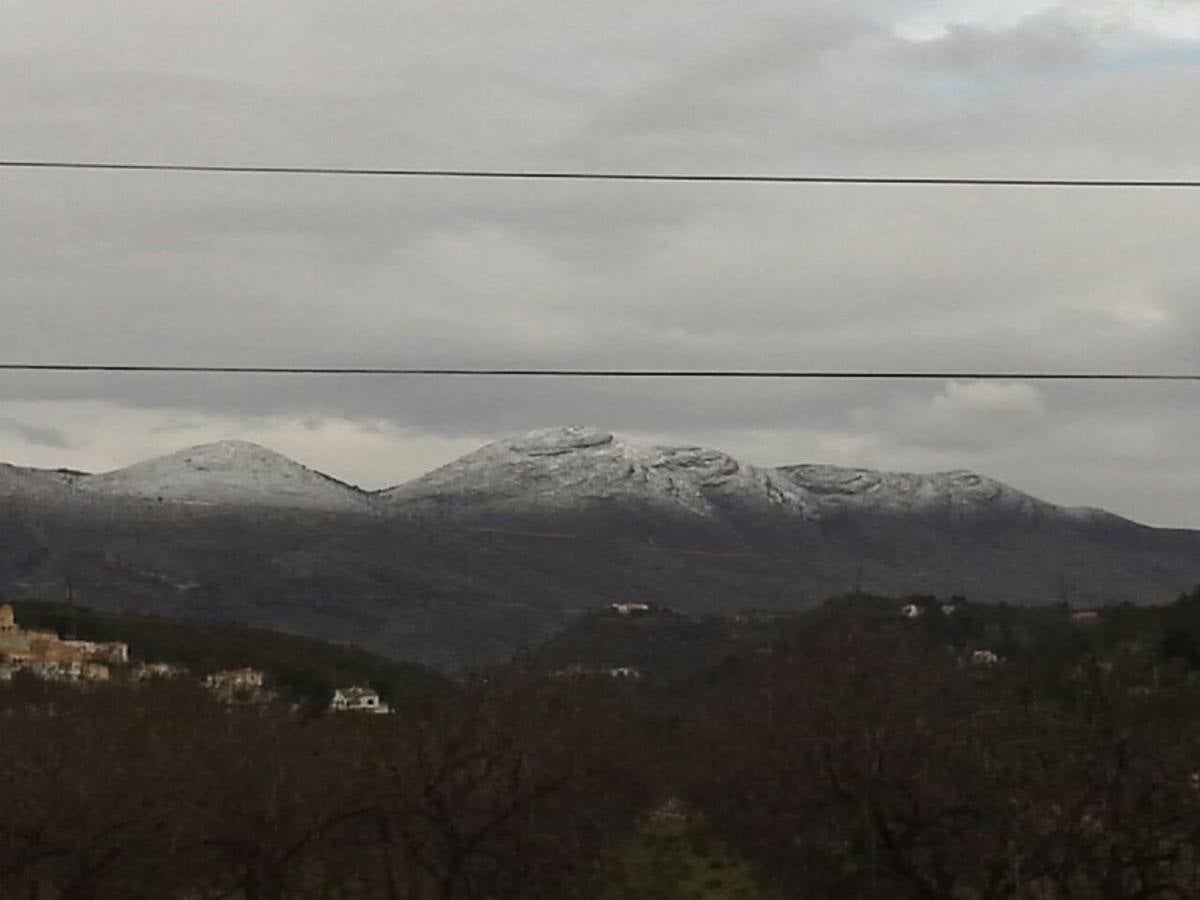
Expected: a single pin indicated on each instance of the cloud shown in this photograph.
(33, 434)
(282, 270)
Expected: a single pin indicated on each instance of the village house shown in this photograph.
(911, 611)
(624, 672)
(358, 699)
(237, 685)
(1085, 616)
(629, 609)
(46, 654)
(985, 658)
(115, 653)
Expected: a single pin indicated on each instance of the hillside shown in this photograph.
(662, 645)
(301, 668)
(1060, 764)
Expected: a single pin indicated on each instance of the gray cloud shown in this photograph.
(34, 434)
(279, 270)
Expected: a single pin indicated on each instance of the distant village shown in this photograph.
(46, 655)
(984, 657)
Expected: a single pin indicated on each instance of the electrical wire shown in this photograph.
(574, 175)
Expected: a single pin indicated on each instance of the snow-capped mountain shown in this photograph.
(226, 473)
(501, 547)
(551, 470)
(564, 468)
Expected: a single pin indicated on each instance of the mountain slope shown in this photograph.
(16, 481)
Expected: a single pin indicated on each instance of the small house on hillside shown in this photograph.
(911, 611)
(630, 609)
(237, 685)
(1085, 616)
(625, 672)
(358, 699)
(985, 658)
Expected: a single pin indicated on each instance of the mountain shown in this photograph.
(571, 468)
(575, 468)
(503, 547)
(235, 473)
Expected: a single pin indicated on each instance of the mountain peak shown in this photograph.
(564, 439)
(227, 473)
(572, 466)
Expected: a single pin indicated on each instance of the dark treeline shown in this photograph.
(856, 754)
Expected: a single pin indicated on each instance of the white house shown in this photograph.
(984, 658)
(624, 672)
(911, 611)
(358, 699)
(629, 609)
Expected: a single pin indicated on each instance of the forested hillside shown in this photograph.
(860, 752)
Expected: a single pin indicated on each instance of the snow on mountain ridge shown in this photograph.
(558, 468)
(545, 470)
(18, 480)
(845, 488)
(563, 467)
(227, 473)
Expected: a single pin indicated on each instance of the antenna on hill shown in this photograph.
(72, 623)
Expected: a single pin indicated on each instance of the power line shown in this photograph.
(573, 175)
(761, 374)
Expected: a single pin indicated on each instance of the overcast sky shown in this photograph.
(282, 270)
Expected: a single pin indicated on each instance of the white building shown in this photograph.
(984, 658)
(109, 653)
(911, 611)
(629, 609)
(624, 672)
(358, 699)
